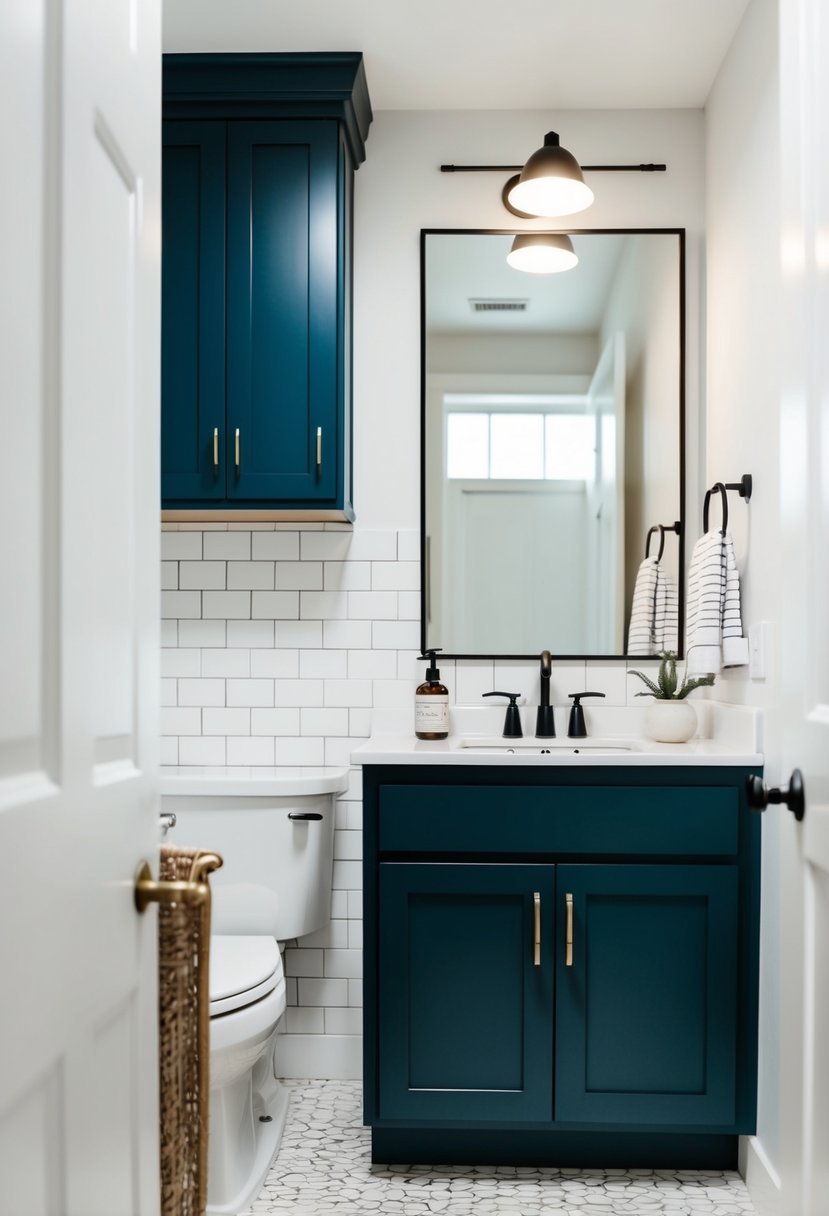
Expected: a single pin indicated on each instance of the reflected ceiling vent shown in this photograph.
(499, 305)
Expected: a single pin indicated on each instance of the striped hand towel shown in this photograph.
(714, 630)
(653, 613)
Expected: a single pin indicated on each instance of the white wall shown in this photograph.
(518, 354)
(280, 641)
(742, 391)
(643, 305)
(400, 190)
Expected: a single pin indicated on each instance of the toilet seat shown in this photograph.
(243, 970)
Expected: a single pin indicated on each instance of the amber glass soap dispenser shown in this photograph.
(431, 703)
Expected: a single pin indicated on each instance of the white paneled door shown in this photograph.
(79, 342)
(804, 454)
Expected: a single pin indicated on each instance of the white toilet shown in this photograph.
(275, 834)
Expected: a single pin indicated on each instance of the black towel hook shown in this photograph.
(724, 493)
(661, 530)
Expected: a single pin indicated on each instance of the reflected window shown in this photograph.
(516, 446)
(467, 445)
(520, 447)
(569, 442)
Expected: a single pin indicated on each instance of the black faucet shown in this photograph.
(545, 725)
(576, 728)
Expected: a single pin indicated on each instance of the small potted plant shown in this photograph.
(670, 719)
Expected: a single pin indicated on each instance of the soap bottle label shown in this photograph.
(432, 713)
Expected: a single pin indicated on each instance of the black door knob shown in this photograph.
(793, 795)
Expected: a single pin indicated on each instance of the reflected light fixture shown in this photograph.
(551, 183)
(542, 253)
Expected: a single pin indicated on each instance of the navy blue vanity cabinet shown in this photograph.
(646, 1008)
(257, 185)
(465, 1032)
(560, 965)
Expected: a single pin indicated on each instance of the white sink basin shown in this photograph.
(547, 747)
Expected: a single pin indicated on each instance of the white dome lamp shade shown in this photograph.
(542, 253)
(550, 184)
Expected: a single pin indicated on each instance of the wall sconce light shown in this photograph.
(542, 253)
(550, 184)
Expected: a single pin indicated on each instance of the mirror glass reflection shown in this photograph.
(552, 419)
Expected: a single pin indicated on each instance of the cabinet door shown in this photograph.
(284, 283)
(193, 311)
(646, 1013)
(465, 1016)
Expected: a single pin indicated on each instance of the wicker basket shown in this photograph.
(184, 1030)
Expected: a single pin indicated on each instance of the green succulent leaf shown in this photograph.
(666, 687)
(667, 674)
(697, 682)
(655, 691)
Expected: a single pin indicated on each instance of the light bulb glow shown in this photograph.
(540, 253)
(550, 196)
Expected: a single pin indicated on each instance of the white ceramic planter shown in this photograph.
(670, 721)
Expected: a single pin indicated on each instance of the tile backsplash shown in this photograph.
(279, 640)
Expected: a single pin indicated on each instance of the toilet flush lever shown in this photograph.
(150, 891)
(304, 816)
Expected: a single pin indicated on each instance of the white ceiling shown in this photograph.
(460, 267)
(483, 54)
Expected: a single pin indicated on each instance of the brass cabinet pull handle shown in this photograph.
(319, 447)
(149, 891)
(568, 939)
(215, 447)
(536, 928)
(237, 449)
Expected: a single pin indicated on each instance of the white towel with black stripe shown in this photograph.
(666, 616)
(714, 631)
(653, 613)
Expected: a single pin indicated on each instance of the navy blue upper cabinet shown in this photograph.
(284, 272)
(193, 310)
(259, 157)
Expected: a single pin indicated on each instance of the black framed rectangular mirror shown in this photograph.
(552, 446)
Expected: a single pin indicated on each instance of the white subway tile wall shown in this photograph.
(278, 642)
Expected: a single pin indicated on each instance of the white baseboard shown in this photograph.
(319, 1057)
(762, 1181)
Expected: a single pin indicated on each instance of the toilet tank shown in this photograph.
(275, 835)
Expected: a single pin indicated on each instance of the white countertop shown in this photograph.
(391, 749)
(279, 782)
(730, 735)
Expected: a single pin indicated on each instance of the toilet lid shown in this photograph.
(242, 970)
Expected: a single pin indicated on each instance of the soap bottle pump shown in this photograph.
(431, 702)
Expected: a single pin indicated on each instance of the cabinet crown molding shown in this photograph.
(324, 84)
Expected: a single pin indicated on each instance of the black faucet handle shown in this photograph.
(577, 728)
(512, 721)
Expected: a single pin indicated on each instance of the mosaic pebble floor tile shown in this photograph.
(324, 1166)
